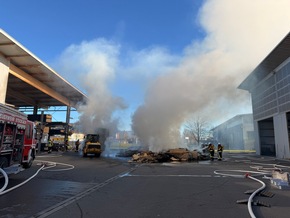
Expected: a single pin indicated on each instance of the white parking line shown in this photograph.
(172, 175)
(71, 200)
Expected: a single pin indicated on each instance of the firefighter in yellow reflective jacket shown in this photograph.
(50, 145)
(211, 151)
(220, 149)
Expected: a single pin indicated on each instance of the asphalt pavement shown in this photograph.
(110, 187)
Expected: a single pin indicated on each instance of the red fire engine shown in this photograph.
(17, 140)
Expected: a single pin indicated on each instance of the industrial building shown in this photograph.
(269, 86)
(237, 133)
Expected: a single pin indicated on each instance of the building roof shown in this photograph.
(238, 117)
(33, 83)
(276, 57)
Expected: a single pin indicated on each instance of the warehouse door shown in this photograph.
(267, 137)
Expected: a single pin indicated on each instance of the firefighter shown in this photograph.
(220, 149)
(211, 151)
(50, 145)
(77, 145)
(66, 145)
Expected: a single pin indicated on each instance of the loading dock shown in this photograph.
(26, 81)
(267, 137)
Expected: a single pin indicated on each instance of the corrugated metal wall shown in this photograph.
(271, 102)
(283, 88)
(264, 99)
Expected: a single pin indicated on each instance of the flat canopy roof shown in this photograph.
(276, 57)
(31, 82)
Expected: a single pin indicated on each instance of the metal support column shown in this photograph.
(35, 109)
(68, 109)
(4, 70)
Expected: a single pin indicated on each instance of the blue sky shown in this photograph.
(47, 28)
(152, 63)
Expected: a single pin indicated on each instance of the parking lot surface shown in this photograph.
(109, 187)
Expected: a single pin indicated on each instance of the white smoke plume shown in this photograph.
(203, 80)
(93, 64)
(239, 34)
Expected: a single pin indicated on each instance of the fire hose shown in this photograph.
(50, 164)
(261, 171)
(253, 195)
(14, 187)
(45, 166)
(246, 174)
(6, 180)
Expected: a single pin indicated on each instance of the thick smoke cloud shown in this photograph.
(238, 35)
(94, 63)
(202, 80)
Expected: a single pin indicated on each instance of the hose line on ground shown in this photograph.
(22, 183)
(50, 164)
(45, 166)
(6, 180)
(253, 195)
(246, 174)
(261, 171)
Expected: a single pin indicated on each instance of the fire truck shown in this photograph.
(17, 140)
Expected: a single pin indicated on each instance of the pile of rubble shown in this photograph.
(179, 154)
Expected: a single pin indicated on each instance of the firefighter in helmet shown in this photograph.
(211, 151)
(220, 149)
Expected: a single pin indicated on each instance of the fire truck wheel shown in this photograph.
(3, 162)
(33, 153)
(28, 165)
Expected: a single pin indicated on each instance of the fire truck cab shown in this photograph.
(17, 140)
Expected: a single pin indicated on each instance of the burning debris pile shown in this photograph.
(180, 154)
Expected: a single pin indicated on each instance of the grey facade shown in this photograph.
(236, 133)
(269, 85)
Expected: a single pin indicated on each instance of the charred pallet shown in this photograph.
(180, 154)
